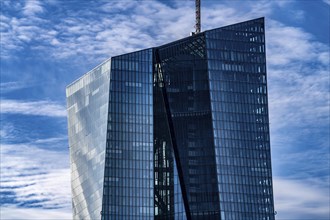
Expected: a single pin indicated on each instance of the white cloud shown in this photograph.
(289, 44)
(88, 34)
(37, 177)
(119, 33)
(326, 2)
(6, 87)
(118, 6)
(18, 32)
(13, 212)
(50, 140)
(298, 80)
(7, 131)
(299, 102)
(297, 199)
(38, 108)
(106, 29)
(103, 30)
(298, 15)
(32, 7)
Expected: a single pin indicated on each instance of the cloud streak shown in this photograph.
(32, 7)
(15, 213)
(6, 87)
(298, 85)
(105, 29)
(304, 199)
(37, 108)
(35, 177)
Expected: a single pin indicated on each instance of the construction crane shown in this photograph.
(198, 16)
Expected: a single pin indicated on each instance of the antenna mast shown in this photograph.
(198, 16)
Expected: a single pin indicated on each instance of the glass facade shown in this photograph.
(87, 106)
(184, 131)
(183, 65)
(129, 169)
(238, 91)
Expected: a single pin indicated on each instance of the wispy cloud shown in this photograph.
(50, 140)
(326, 2)
(119, 33)
(298, 15)
(6, 87)
(38, 108)
(33, 176)
(104, 29)
(7, 131)
(13, 213)
(22, 24)
(306, 199)
(32, 7)
(299, 101)
(290, 44)
(298, 74)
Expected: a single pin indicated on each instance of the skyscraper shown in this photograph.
(179, 131)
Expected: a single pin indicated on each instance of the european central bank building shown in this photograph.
(179, 131)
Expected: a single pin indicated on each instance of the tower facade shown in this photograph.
(179, 131)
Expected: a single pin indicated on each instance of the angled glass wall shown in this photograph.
(87, 106)
(129, 170)
(163, 160)
(168, 195)
(184, 69)
(238, 88)
(215, 88)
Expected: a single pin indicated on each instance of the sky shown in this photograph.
(46, 45)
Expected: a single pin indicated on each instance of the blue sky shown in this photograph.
(45, 45)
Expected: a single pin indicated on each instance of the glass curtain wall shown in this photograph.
(238, 88)
(129, 169)
(87, 106)
(184, 70)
